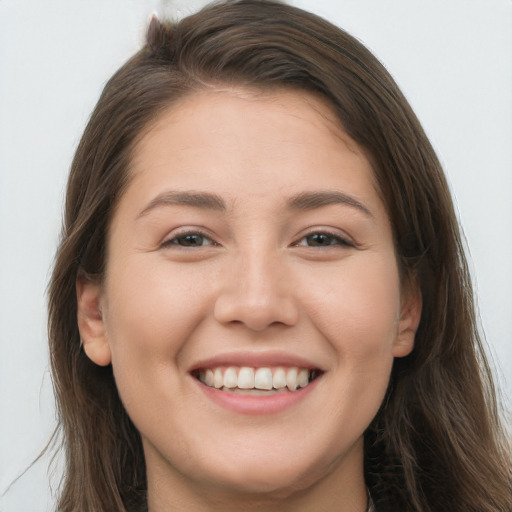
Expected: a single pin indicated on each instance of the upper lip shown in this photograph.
(255, 360)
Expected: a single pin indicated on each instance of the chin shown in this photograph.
(271, 479)
(254, 483)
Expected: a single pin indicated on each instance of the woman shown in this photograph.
(261, 300)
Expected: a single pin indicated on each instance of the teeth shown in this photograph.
(279, 380)
(254, 392)
(218, 378)
(230, 378)
(246, 379)
(263, 378)
(303, 378)
(291, 379)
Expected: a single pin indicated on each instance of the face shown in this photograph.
(251, 307)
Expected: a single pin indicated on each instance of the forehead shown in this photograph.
(246, 146)
(258, 123)
(237, 103)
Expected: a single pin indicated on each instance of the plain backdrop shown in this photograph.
(452, 58)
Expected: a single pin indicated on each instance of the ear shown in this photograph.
(410, 316)
(90, 321)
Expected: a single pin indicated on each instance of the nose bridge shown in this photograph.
(257, 291)
(258, 275)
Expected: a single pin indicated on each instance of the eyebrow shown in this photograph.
(209, 201)
(203, 200)
(317, 199)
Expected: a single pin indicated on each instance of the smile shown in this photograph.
(259, 381)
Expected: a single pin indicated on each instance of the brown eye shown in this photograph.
(323, 240)
(189, 240)
(319, 239)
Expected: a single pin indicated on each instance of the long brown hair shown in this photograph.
(436, 444)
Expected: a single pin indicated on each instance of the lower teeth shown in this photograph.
(256, 392)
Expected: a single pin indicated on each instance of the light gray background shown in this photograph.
(452, 58)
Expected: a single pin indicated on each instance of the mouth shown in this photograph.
(257, 381)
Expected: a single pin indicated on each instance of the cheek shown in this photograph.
(358, 310)
(358, 317)
(151, 305)
(151, 313)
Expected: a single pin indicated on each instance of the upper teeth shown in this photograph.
(264, 378)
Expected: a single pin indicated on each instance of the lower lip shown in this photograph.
(260, 404)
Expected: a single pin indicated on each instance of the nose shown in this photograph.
(257, 292)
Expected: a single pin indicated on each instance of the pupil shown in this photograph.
(191, 240)
(318, 239)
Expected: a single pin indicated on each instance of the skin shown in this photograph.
(257, 281)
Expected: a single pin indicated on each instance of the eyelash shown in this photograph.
(333, 239)
(175, 240)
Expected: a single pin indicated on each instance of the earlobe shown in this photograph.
(410, 316)
(91, 323)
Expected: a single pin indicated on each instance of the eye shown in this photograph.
(323, 239)
(191, 239)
